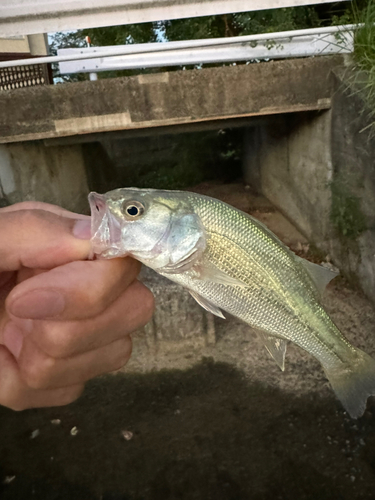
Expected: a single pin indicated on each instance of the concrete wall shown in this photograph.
(289, 161)
(319, 170)
(14, 44)
(353, 158)
(33, 171)
(113, 163)
(36, 45)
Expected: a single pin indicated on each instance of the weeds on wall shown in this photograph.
(346, 214)
(364, 56)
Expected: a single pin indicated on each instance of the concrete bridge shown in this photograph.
(43, 129)
(304, 148)
(167, 100)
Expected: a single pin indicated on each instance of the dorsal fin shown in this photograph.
(320, 275)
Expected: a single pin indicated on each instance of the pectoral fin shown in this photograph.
(184, 264)
(185, 244)
(206, 304)
(210, 272)
(277, 349)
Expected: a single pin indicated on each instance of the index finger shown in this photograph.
(41, 239)
(74, 291)
(47, 207)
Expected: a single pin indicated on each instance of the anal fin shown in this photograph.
(276, 347)
(207, 304)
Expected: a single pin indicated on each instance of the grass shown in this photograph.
(346, 214)
(364, 39)
(364, 54)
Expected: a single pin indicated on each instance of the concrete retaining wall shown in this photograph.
(319, 170)
(33, 171)
(289, 161)
(353, 188)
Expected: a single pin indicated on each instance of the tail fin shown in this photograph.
(353, 382)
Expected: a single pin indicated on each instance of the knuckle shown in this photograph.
(68, 395)
(16, 405)
(37, 373)
(147, 302)
(124, 353)
(13, 397)
(91, 300)
(11, 391)
(131, 267)
(27, 218)
(57, 340)
(14, 401)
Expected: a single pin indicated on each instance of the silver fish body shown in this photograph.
(230, 261)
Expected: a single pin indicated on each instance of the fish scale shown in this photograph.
(245, 244)
(230, 261)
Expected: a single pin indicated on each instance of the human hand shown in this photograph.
(63, 319)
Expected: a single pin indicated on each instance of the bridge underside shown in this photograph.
(162, 101)
(314, 166)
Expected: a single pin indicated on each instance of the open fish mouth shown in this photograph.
(105, 229)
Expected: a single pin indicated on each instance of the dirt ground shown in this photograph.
(230, 426)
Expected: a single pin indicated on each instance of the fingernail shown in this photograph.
(13, 339)
(38, 304)
(82, 229)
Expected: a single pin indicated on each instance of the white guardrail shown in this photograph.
(299, 43)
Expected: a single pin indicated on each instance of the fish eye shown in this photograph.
(132, 209)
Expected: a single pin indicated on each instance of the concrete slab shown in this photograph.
(174, 98)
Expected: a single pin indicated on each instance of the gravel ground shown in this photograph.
(229, 426)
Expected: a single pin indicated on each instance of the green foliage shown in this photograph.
(66, 40)
(269, 21)
(110, 35)
(170, 178)
(346, 214)
(122, 35)
(244, 23)
(364, 40)
(362, 78)
(364, 55)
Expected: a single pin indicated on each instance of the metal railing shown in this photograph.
(297, 43)
(301, 43)
(28, 75)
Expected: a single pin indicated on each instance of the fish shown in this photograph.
(232, 263)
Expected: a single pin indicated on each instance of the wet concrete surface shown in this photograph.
(226, 425)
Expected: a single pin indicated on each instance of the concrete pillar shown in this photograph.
(251, 164)
(34, 171)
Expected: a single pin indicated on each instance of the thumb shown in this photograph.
(41, 239)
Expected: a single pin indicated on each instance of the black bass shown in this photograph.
(231, 262)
